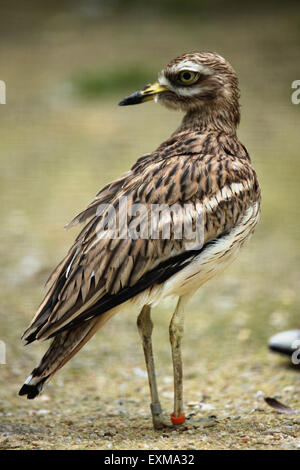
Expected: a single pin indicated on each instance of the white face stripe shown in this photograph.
(192, 66)
(191, 90)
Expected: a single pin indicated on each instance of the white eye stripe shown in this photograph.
(190, 66)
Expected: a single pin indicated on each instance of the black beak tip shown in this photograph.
(134, 98)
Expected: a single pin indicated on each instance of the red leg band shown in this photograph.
(177, 419)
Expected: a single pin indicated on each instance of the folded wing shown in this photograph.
(113, 260)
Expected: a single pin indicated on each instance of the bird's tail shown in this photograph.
(62, 348)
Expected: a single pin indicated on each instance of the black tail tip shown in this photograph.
(30, 390)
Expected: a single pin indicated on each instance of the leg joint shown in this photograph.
(144, 323)
(155, 409)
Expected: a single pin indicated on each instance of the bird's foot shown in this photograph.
(160, 422)
(190, 424)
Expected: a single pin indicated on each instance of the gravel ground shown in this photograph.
(58, 150)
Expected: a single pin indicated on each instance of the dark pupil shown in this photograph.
(186, 76)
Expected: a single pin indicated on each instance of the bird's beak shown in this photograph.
(146, 94)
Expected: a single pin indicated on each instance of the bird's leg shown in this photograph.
(145, 327)
(176, 333)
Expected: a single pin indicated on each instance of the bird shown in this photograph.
(177, 218)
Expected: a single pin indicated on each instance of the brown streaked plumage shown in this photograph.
(202, 166)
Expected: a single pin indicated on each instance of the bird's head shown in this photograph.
(202, 82)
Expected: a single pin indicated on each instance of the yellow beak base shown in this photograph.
(146, 94)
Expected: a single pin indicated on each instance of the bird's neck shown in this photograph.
(212, 119)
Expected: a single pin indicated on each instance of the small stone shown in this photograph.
(193, 404)
(290, 388)
(42, 412)
(206, 407)
(44, 398)
(259, 396)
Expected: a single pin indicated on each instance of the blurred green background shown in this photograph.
(66, 65)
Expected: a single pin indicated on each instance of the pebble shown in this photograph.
(44, 398)
(259, 396)
(271, 432)
(193, 404)
(206, 407)
(42, 412)
(289, 388)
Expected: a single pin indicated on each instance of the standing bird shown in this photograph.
(204, 172)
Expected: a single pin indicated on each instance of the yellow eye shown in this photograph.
(187, 77)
